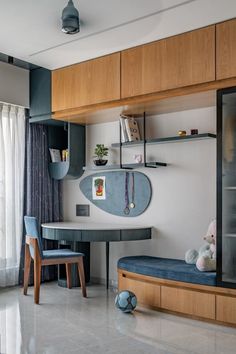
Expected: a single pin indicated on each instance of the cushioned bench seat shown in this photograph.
(165, 268)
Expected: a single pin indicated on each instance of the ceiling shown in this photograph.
(30, 29)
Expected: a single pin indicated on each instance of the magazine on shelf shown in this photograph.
(129, 129)
(124, 135)
(132, 129)
(55, 155)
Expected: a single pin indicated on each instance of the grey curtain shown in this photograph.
(43, 198)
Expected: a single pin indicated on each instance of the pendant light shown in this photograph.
(70, 19)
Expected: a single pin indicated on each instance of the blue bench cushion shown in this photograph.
(165, 268)
(60, 253)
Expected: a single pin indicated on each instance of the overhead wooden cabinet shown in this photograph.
(226, 50)
(87, 83)
(178, 61)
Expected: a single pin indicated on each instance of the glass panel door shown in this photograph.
(228, 178)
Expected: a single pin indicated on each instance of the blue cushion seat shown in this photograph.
(165, 268)
(60, 253)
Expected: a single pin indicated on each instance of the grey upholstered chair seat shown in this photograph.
(61, 253)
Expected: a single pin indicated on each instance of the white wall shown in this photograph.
(14, 85)
(184, 193)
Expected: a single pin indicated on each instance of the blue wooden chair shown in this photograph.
(34, 251)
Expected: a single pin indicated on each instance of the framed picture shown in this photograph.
(99, 188)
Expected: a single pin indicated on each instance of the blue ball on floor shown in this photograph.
(126, 301)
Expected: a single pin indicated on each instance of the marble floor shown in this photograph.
(67, 323)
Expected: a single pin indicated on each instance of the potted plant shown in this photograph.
(99, 153)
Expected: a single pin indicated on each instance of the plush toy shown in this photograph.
(205, 258)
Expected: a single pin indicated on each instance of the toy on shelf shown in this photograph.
(205, 258)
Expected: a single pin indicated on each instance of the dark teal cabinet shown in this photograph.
(40, 96)
(61, 135)
(71, 137)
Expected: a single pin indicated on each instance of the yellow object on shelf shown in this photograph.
(182, 132)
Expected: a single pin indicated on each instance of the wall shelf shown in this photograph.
(128, 166)
(71, 137)
(171, 139)
(229, 235)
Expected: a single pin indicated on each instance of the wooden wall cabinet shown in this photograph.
(178, 61)
(226, 49)
(86, 83)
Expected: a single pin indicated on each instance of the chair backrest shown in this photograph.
(32, 230)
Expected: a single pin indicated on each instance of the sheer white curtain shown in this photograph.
(12, 151)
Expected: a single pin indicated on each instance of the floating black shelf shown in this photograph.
(171, 139)
(128, 166)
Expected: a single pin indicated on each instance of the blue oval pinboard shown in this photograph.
(114, 191)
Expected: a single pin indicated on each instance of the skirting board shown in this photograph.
(113, 284)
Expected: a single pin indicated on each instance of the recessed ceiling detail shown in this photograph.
(105, 26)
(100, 32)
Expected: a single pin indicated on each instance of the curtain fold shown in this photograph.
(42, 194)
(12, 151)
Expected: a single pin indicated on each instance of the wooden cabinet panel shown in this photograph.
(226, 309)
(178, 61)
(226, 50)
(147, 293)
(87, 83)
(189, 302)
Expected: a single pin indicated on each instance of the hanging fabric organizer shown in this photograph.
(120, 193)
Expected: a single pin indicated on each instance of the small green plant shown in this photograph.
(100, 151)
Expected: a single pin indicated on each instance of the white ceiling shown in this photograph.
(30, 29)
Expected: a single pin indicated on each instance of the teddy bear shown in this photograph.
(205, 257)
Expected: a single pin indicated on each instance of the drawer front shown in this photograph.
(132, 235)
(49, 233)
(68, 235)
(147, 293)
(188, 302)
(101, 236)
(226, 309)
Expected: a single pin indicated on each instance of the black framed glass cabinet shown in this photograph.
(226, 187)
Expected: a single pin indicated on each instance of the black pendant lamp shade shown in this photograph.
(70, 19)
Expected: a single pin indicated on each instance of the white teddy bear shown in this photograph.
(205, 258)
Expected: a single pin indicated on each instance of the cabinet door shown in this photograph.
(147, 293)
(40, 92)
(178, 61)
(226, 309)
(226, 187)
(87, 83)
(189, 302)
(226, 50)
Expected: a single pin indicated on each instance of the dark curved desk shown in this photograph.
(71, 233)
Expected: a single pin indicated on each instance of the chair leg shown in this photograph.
(81, 276)
(37, 280)
(68, 275)
(26, 268)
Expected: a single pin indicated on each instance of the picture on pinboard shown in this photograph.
(99, 188)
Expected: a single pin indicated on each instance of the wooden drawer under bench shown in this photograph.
(210, 303)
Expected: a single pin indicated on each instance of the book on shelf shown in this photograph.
(129, 129)
(124, 135)
(55, 155)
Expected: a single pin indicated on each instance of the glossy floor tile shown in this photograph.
(67, 323)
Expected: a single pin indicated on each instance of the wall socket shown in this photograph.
(82, 210)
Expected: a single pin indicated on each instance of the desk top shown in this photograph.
(95, 232)
(92, 226)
